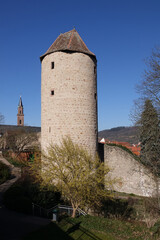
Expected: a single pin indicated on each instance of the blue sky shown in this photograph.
(122, 33)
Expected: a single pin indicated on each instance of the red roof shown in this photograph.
(69, 41)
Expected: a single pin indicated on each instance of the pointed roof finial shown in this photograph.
(20, 102)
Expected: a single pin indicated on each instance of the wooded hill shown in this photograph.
(120, 134)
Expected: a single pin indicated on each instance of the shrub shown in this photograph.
(5, 173)
(118, 208)
(16, 198)
(19, 196)
(156, 228)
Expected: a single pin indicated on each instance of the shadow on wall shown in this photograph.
(101, 151)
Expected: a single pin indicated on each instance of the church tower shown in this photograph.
(20, 115)
(69, 93)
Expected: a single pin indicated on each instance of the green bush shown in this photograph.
(156, 228)
(43, 197)
(22, 194)
(118, 208)
(16, 198)
(19, 204)
(5, 173)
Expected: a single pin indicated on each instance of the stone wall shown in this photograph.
(133, 176)
(69, 99)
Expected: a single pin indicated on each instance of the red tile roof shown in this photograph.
(135, 148)
(69, 41)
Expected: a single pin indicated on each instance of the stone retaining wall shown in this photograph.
(134, 177)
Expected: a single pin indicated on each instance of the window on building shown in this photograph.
(19, 121)
(52, 92)
(52, 65)
(95, 96)
(94, 69)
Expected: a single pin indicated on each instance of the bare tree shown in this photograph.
(1, 118)
(19, 141)
(149, 87)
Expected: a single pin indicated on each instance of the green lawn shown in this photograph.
(51, 231)
(93, 228)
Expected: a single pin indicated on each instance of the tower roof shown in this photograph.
(20, 102)
(69, 41)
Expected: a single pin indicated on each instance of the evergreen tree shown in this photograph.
(150, 137)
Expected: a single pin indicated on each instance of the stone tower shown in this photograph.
(20, 115)
(69, 93)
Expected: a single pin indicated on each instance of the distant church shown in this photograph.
(69, 93)
(20, 115)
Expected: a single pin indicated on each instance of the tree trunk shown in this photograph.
(157, 189)
(74, 212)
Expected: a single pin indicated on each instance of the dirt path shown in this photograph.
(15, 172)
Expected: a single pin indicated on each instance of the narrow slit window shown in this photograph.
(95, 96)
(52, 92)
(19, 121)
(52, 65)
(94, 69)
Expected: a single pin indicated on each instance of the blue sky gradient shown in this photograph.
(121, 34)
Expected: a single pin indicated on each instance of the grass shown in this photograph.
(51, 231)
(5, 173)
(93, 228)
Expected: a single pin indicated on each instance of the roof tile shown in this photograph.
(69, 41)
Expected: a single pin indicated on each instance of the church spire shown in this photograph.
(20, 102)
(20, 115)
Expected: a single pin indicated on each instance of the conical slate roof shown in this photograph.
(69, 41)
(20, 102)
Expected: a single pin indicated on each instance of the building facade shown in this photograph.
(69, 93)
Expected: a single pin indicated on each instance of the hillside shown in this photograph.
(4, 128)
(120, 134)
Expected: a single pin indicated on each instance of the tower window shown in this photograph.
(52, 65)
(19, 121)
(52, 92)
(95, 96)
(94, 69)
